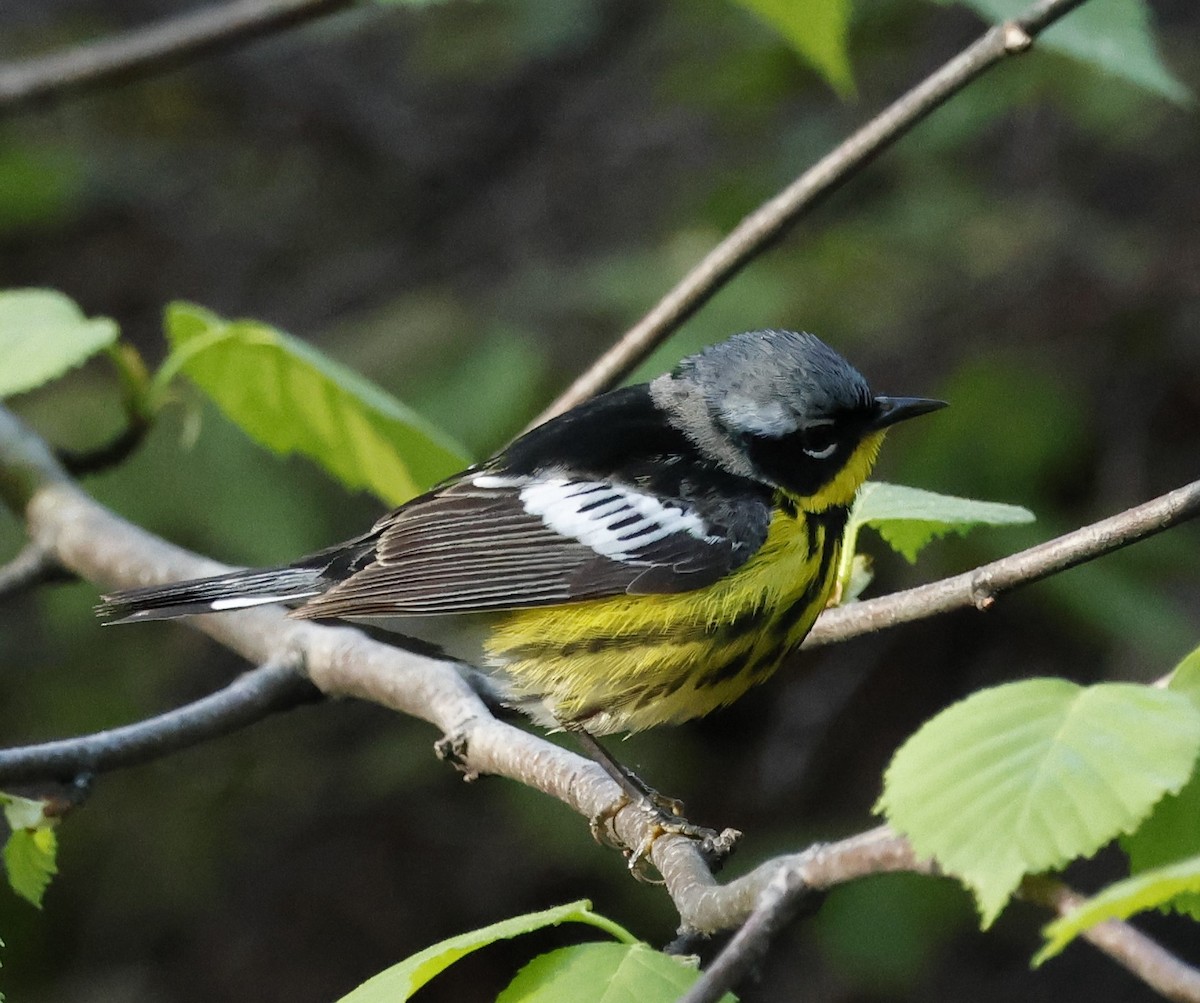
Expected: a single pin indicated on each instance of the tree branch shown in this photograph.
(157, 47)
(777, 906)
(770, 893)
(251, 697)
(32, 566)
(766, 224)
(1149, 961)
(85, 537)
(980, 587)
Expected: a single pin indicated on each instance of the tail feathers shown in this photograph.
(235, 590)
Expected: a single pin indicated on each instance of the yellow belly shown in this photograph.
(625, 663)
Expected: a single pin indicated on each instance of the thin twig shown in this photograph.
(767, 894)
(778, 905)
(80, 463)
(979, 588)
(251, 697)
(34, 565)
(159, 46)
(1129, 947)
(341, 661)
(759, 230)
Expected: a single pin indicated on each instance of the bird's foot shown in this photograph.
(667, 819)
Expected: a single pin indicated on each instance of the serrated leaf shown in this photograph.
(817, 30)
(1172, 832)
(908, 518)
(402, 980)
(42, 335)
(22, 813)
(1025, 777)
(603, 973)
(1149, 890)
(29, 859)
(1112, 35)
(292, 399)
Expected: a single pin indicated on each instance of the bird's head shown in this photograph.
(785, 409)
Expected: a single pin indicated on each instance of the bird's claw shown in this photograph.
(668, 820)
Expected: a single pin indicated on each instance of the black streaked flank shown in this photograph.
(661, 691)
(833, 523)
(731, 668)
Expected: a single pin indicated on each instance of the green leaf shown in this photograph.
(1112, 35)
(22, 813)
(29, 859)
(29, 852)
(817, 30)
(1025, 777)
(602, 973)
(1172, 833)
(1148, 890)
(1185, 677)
(291, 398)
(42, 335)
(402, 980)
(909, 518)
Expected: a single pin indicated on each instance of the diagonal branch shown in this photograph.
(979, 588)
(773, 218)
(88, 539)
(777, 906)
(768, 895)
(147, 50)
(251, 697)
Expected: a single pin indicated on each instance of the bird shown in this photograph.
(639, 560)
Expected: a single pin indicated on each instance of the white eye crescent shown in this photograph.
(822, 438)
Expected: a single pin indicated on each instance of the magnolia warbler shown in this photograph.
(642, 559)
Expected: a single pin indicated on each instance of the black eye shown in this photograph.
(820, 441)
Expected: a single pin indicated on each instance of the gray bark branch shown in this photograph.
(152, 49)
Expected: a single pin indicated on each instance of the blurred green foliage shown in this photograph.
(1112, 34)
(293, 399)
(884, 930)
(42, 335)
(466, 203)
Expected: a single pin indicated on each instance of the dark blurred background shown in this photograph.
(467, 201)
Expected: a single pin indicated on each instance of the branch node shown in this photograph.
(73, 796)
(34, 565)
(452, 749)
(1016, 38)
(716, 849)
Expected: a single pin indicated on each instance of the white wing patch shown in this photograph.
(245, 602)
(613, 520)
(498, 481)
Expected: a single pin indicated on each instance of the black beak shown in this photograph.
(894, 409)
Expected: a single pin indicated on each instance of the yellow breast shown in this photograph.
(625, 663)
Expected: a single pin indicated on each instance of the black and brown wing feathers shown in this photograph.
(469, 549)
(523, 532)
